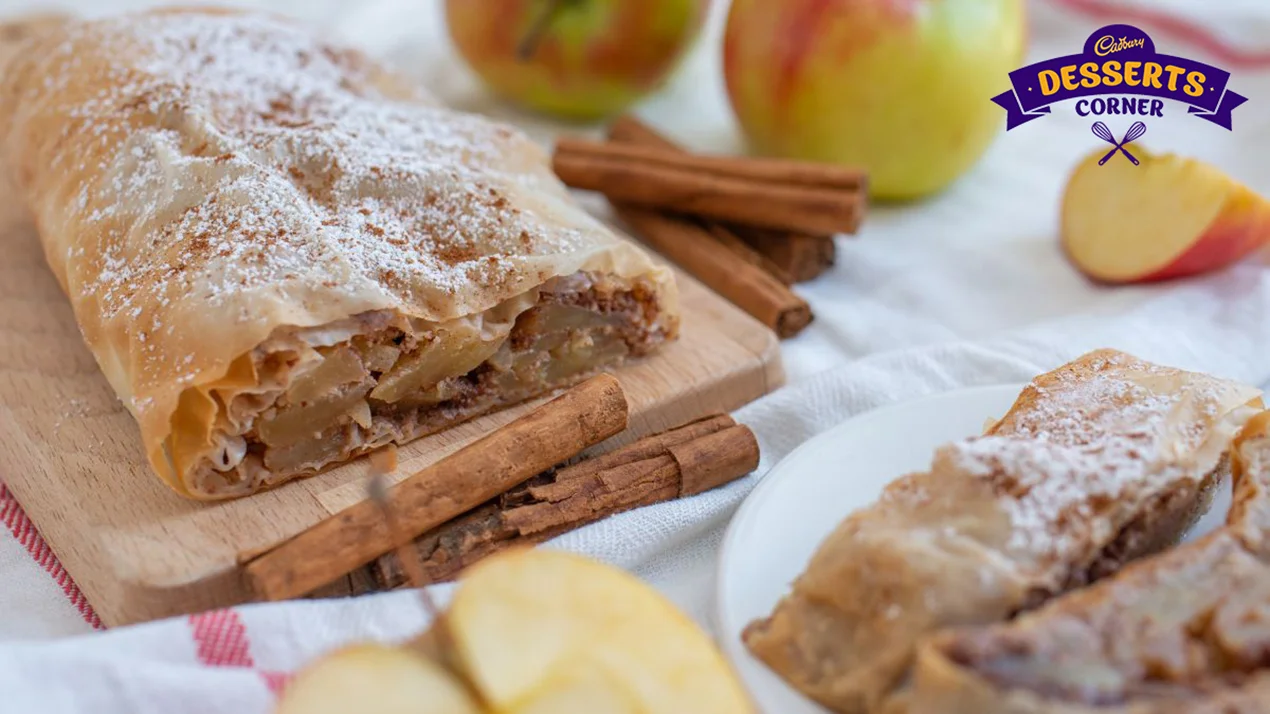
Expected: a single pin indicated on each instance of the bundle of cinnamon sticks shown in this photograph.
(680, 462)
(746, 227)
(501, 491)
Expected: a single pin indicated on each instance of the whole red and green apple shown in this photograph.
(582, 59)
(901, 88)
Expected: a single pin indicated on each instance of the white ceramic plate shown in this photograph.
(806, 495)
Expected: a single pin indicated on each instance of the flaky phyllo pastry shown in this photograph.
(1186, 631)
(1102, 461)
(283, 256)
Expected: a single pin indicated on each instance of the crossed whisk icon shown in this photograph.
(1136, 130)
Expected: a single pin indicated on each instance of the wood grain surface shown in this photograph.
(71, 453)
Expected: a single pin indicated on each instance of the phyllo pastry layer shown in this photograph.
(1185, 631)
(1104, 460)
(283, 256)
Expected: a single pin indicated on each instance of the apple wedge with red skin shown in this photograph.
(1169, 217)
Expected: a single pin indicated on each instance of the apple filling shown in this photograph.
(347, 389)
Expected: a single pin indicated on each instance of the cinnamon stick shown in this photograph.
(802, 256)
(554, 432)
(630, 130)
(791, 257)
(800, 174)
(680, 462)
(771, 193)
(746, 252)
(745, 285)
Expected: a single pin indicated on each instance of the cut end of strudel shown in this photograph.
(1104, 460)
(1184, 631)
(282, 256)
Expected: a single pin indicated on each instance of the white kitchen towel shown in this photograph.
(968, 288)
(235, 660)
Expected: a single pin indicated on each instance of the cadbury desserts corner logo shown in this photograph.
(1119, 73)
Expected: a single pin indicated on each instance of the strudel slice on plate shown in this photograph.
(1101, 461)
(1187, 631)
(283, 256)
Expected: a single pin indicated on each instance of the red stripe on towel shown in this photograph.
(17, 522)
(220, 640)
(220, 637)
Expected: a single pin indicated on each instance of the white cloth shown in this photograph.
(968, 288)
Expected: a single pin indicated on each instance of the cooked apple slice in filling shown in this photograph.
(583, 352)
(393, 379)
(448, 353)
(379, 357)
(549, 318)
(337, 386)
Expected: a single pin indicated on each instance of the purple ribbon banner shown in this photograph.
(1124, 72)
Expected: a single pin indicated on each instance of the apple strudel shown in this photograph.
(1185, 631)
(1101, 461)
(283, 256)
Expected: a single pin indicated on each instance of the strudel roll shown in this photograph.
(1186, 631)
(283, 256)
(1101, 461)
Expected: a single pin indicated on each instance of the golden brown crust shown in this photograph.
(1098, 462)
(1185, 631)
(203, 180)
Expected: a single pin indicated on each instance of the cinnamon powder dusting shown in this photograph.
(1088, 447)
(238, 153)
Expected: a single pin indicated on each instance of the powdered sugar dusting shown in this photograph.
(1089, 446)
(243, 154)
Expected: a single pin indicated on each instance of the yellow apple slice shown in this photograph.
(374, 679)
(541, 631)
(1166, 218)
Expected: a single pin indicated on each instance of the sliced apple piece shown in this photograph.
(543, 631)
(1166, 218)
(374, 679)
(533, 632)
(448, 356)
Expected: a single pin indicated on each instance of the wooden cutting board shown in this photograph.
(72, 455)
